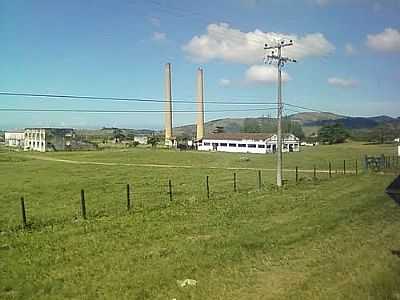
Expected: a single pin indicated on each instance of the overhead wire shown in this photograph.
(124, 111)
(126, 99)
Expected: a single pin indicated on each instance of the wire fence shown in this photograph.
(104, 198)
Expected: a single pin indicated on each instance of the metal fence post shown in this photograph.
(83, 204)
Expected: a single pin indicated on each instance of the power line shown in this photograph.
(306, 108)
(124, 111)
(124, 99)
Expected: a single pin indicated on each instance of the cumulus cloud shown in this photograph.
(159, 36)
(264, 74)
(386, 41)
(155, 21)
(349, 49)
(232, 45)
(224, 82)
(341, 82)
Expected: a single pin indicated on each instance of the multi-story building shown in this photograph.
(14, 139)
(48, 139)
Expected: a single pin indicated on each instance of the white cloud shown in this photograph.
(264, 74)
(341, 82)
(224, 82)
(159, 36)
(155, 21)
(232, 45)
(349, 49)
(386, 41)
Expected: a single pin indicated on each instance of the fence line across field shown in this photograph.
(213, 185)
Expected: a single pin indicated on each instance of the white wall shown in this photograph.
(237, 149)
(35, 139)
(14, 139)
(261, 146)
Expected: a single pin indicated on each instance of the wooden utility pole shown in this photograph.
(280, 62)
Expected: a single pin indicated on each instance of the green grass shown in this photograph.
(324, 239)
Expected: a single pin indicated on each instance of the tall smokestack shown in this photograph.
(168, 103)
(200, 105)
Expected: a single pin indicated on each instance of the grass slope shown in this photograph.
(328, 239)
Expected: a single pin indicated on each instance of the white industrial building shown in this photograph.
(141, 139)
(14, 139)
(48, 139)
(260, 143)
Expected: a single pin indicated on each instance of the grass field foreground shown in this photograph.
(323, 239)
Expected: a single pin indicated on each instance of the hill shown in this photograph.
(310, 121)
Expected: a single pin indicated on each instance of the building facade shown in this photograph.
(48, 139)
(141, 139)
(14, 139)
(258, 143)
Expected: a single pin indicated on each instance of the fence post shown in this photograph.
(24, 223)
(128, 197)
(83, 204)
(170, 189)
(259, 180)
(234, 183)
(208, 188)
(330, 170)
(297, 174)
(315, 172)
(344, 167)
(356, 167)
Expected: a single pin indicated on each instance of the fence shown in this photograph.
(148, 194)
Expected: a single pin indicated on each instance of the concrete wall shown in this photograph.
(35, 140)
(234, 146)
(141, 139)
(14, 139)
(290, 144)
(48, 139)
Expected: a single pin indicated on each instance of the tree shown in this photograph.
(333, 134)
(153, 141)
(117, 135)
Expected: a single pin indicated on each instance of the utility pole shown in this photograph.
(280, 62)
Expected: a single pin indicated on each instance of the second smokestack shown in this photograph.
(200, 105)
(168, 104)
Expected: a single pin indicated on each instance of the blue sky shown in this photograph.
(348, 54)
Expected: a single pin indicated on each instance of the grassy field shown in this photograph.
(319, 239)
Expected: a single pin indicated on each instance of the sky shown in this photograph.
(347, 52)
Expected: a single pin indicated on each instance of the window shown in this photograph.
(206, 144)
(223, 144)
(242, 145)
(252, 145)
(232, 145)
(261, 146)
(268, 146)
